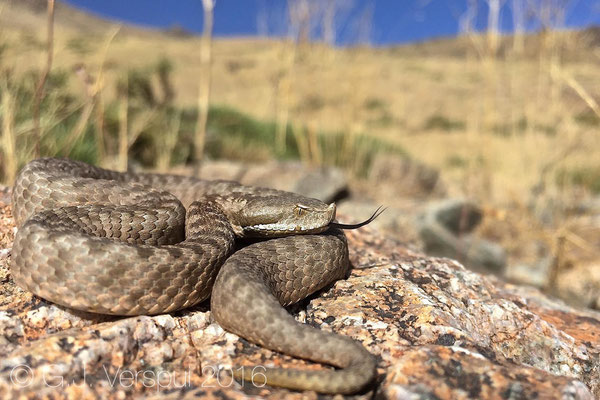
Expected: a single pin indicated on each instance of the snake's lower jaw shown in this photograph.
(238, 230)
(273, 230)
(311, 231)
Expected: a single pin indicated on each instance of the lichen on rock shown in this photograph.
(437, 329)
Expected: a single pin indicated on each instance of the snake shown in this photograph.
(126, 244)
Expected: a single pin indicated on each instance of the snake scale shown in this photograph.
(130, 244)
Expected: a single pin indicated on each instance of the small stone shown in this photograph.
(444, 228)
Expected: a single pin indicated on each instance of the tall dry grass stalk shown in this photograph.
(316, 155)
(169, 141)
(10, 155)
(519, 14)
(131, 128)
(205, 82)
(493, 27)
(283, 92)
(359, 77)
(581, 92)
(80, 127)
(123, 151)
(558, 261)
(96, 93)
(88, 106)
(100, 127)
(302, 142)
(39, 92)
(299, 14)
(93, 89)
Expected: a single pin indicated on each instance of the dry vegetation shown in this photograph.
(513, 124)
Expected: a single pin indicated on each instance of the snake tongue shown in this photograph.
(376, 214)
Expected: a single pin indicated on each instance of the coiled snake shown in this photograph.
(119, 243)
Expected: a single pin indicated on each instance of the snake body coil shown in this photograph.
(119, 243)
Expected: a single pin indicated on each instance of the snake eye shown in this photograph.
(300, 210)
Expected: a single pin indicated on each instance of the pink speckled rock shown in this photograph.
(438, 330)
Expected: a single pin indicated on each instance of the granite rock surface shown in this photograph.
(438, 330)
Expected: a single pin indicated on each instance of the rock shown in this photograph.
(574, 262)
(580, 284)
(7, 227)
(396, 221)
(212, 169)
(401, 177)
(459, 216)
(5, 193)
(438, 330)
(327, 184)
(535, 275)
(484, 255)
(222, 169)
(590, 206)
(455, 372)
(444, 228)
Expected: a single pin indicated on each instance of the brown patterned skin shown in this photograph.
(118, 243)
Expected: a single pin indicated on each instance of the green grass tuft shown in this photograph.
(586, 177)
(440, 122)
(154, 119)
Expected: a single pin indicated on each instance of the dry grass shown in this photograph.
(335, 89)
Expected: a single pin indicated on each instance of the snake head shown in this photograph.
(273, 216)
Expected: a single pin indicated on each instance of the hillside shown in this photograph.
(444, 101)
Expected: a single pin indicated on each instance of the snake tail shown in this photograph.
(247, 299)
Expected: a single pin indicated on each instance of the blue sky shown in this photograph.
(393, 21)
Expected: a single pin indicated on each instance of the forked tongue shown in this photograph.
(376, 214)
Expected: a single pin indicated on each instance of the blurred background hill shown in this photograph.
(510, 121)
